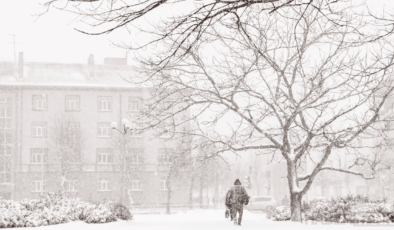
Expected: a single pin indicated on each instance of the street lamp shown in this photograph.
(127, 127)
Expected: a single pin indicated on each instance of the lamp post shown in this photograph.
(126, 127)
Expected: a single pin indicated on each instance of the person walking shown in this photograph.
(238, 197)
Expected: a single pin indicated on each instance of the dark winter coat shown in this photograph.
(237, 195)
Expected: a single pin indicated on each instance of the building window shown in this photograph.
(6, 137)
(73, 103)
(165, 156)
(135, 185)
(38, 155)
(103, 184)
(5, 149)
(104, 156)
(134, 104)
(40, 102)
(134, 156)
(134, 159)
(5, 169)
(5, 112)
(164, 184)
(104, 104)
(70, 185)
(104, 129)
(39, 129)
(6, 98)
(6, 142)
(38, 186)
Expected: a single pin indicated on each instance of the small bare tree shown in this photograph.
(67, 145)
(179, 164)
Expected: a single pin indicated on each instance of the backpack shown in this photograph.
(245, 199)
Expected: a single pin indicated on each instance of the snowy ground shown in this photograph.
(205, 220)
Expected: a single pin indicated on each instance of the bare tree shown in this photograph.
(179, 163)
(293, 83)
(67, 145)
(193, 19)
(301, 79)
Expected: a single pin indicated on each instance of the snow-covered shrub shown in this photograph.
(280, 213)
(100, 214)
(332, 211)
(350, 198)
(121, 211)
(349, 209)
(52, 209)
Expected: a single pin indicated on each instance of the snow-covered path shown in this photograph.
(203, 220)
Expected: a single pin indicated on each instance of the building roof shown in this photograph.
(68, 75)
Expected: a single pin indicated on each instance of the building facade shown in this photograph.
(131, 168)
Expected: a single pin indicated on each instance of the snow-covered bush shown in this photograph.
(121, 212)
(348, 209)
(280, 213)
(100, 214)
(52, 209)
(332, 211)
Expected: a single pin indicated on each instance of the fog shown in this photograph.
(61, 92)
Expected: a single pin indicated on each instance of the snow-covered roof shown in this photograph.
(42, 74)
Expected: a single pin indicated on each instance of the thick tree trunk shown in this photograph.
(295, 204)
(295, 193)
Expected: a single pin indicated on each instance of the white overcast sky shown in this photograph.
(52, 38)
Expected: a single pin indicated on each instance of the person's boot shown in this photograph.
(239, 221)
(235, 221)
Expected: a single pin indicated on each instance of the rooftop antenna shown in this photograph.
(13, 36)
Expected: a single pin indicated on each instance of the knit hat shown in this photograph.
(237, 182)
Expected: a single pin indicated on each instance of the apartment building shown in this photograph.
(33, 96)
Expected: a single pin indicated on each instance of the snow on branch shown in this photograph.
(306, 177)
(348, 171)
